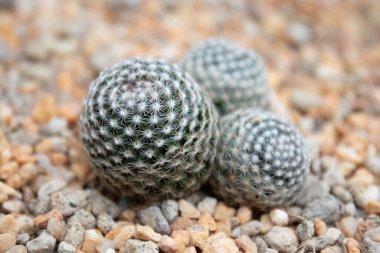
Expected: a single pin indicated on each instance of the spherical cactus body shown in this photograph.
(261, 160)
(149, 129)
(234, 77)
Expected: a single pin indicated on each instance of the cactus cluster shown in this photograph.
(149, 129)
(261, 160)
(234, 77)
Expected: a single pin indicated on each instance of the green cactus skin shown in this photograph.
(235, 78)
(149, 129)
(261, 160)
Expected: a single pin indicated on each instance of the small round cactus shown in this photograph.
(261, 160)
(149, 129)
(234, 77)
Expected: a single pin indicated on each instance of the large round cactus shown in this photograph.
(261, 160)
(149, 129)
(234, 77)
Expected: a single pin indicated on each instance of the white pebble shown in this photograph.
(279, 217)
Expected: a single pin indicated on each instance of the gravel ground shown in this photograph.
(324, 64)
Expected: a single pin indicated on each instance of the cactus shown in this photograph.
(149, 129)
(234, 77)
(261, 160)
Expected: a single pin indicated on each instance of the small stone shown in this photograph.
(244, 214)
(74, 234)
(17, 249)
(333, 249)
(85, 218)
(349, 210)
(8, 224)
(207, 222)
(105, 246)
(181, 223)
(153, 217)
(67, 201)
(269, 250)
(56, 125)
(373, 164)
(373, 207)
(137, 246)
(13, 206)
(301, 33)
(261, 244)
(7, 241)
(57, 228)
(207, 205)
(251, 228)
(308, 193)
(305, 230)
(64, 247)
(325, 208)
(198, 235)
(105, 223)
(42, 206)
(222, 212)
(321, 242)
(25, 224)
(320, 227)
(188, 210)
(22, 238)
(170, 210)
(168, 244)
(44, 243)
(181, 237)
(221, 245)
(146, 233)
(282, 239)
(224, 226)
(42, 220)
(352, 245)
(246, 244)
(101, 204)
(348, 226)
(371, 241)
(128, 215)
(51, 186)
(305, 100)
(266, 224)
(124, 235)
(342, 194)
(190, 250)
(91, 237)
(279, 217)
(234, 222)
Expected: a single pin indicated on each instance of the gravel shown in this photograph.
(251, 228)
(153, 217)
(74, 234)
(85, 218)
(170, 209)
(371, 243)
(105, 223)
(325, 208)
(69, 200)
(65, 247)
(281, 239)
(44, 243)
(137, 246)
(305, 230)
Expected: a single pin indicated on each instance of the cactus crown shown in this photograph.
(261, 160)
(234, 77)
(149, 129)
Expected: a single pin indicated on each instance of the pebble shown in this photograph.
(8, 224)
(188, 210)
(349, 226)
(123, 235)
(198, 235)
(266, 224)
(251, 228)
(224, 226)
(41, 221)
(246, 244)
(91, 236)
(68, 201)
(43, 205)
(23, 238)
(105, 246)
(348, 210)
(17, 249)
(57, 228)
(244, 214)
(208, 205)
(13, 206)
(74, 234)
(105, 223)
(84, 217)
(44, 243)
(279, 217)
(352, 245)
(222, 212)
(221, 245)
(51, 186)
(333, 177)
(371, 241)
(260, 243)
(207, 222)
(342, 194)
(269, 250)
(373, 207)
(137, 246)
(168, 244)
(101, 204)
(282, 239)
(305, 100)
(321, 242)
(325, 208)
(56, 125)
(182, 237)
(169, 209)
(146, 233)
(25, 224)
(181, 223)
(300, 33)
(320, 226)
(128, 215)
(64, 247)
(190, 250)
(305, 230)
(308, 193)
(7, 241)
(332, 249)
(153, 217)
(373, 164)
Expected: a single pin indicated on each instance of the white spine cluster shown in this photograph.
(261, 160)
(149, 129)
(234, 77)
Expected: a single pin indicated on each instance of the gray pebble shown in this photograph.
(373, 164)
(325, 208)
(299, 32)
(333, 177)
(318, 243)
(369, 244)
(102, 204)
(17, 249)
(309, 192)
(84, 217)
(235, 221)
(51, 186)
(22, 238)
(65, 247)
(69, 200)
(261, 244)
(305, 230)
(170, 209)
(250, 228)
(342, 194)
(74, 234)
(43, 205)
(56, 125)
(349, 210)
(153, 217)
(207, 205)
(269, 250)
(282, 239)
(44, 243)
(105, 223)
(305, 100)
(137, 246)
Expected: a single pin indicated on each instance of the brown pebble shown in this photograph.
(198, 235)
(348, 225)
(223, 212)
(362, 228)
(224, 226)
(266, 223)
(146, 233)
(352, 245)
(80, 170)
(168, 244)
(320, 227)
(181, 223)
(8, 224)
(246, 244)
(181, 236)
(188, 210)
(7, 241)
(128, 215)
(207, 222)
(244, 214)
(57, 228)
(124, 234)
(41, 221)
